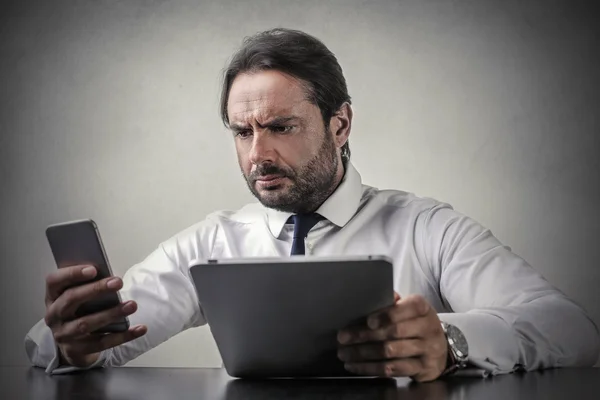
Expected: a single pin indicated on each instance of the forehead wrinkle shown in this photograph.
(251, 100)
(261, 113)
(252, 118)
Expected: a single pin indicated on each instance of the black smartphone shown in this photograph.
(78, 243)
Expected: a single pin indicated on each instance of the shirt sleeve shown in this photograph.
(43, 352)
(511, 316)
(167, 304)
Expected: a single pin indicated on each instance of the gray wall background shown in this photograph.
(109, 110)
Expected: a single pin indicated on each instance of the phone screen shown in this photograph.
(77, 243)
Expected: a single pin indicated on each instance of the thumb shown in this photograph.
(396, 297)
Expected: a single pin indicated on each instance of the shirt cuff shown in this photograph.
(493, 348)
(43, 351)
(54, 368)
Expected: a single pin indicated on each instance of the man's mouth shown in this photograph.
(269, 180)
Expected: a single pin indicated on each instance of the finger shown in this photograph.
(412, 329)
(67, 303)
(396, 297)
(379, 351)
(63, 278)
(401, 367)
(96, 343)
(410, 307)
(90, 323)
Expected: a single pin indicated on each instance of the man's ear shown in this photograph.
(341, 124)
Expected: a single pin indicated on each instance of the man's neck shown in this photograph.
(339, 177)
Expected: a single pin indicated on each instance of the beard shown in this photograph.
(311, 184)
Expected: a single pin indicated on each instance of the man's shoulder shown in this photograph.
(395, 199)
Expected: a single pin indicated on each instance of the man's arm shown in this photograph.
(167, 304)
(511, 316)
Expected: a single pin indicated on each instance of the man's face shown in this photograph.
(287, 155)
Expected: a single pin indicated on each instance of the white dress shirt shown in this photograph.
(510, 315)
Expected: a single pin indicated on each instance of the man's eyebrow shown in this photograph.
(280, 120)
(237, 127)
(274, 122)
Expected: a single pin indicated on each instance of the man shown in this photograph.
(286, 103)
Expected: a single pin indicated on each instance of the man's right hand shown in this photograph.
(80, 347)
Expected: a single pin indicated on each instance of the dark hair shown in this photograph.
(299, 55)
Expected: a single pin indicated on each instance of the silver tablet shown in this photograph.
(280, 317)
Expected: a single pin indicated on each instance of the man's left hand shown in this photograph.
(405, 339)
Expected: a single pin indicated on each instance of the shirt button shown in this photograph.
(309, 245)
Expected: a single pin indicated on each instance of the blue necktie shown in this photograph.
(303, 223)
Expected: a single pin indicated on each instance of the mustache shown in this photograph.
(269, 169)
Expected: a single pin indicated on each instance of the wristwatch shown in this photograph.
(458, 349)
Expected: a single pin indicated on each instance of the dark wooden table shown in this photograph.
(185, 383)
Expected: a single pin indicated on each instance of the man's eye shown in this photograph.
(281, 129)
(243, 134)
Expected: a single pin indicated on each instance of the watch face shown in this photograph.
(458, 340)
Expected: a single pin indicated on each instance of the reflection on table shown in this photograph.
(186, 383)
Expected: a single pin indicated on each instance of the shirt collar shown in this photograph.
(339, 208)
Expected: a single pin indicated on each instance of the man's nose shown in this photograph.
(262, 149)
